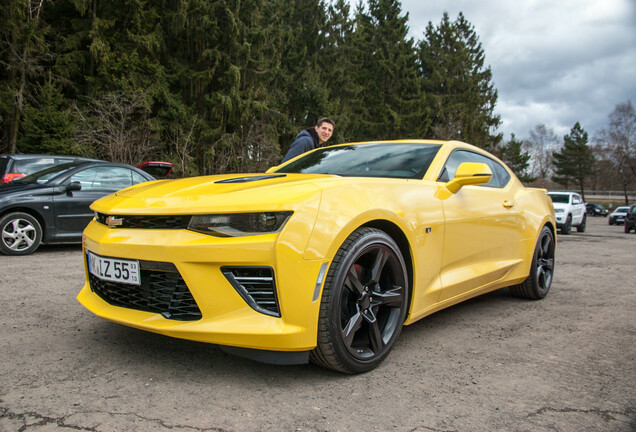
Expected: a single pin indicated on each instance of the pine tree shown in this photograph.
(221, 60)
(336, 70)
(516, 159)
(48, 123)
(299, 33)
(385, 67)
(458, 86)
(23, 55)
(575, 162)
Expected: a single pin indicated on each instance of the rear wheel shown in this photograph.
(538, 283)
(581, 226)
(364, 303)
(567, 225)
(21, 234)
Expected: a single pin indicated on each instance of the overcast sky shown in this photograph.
(554, 62)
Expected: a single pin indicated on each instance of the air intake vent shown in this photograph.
(257, 287)
(162, 290)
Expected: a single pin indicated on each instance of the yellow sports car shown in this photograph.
(323, 258)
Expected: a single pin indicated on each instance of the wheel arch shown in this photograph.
(396, 233)
(552, 227)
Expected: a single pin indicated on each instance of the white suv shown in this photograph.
(569, 211)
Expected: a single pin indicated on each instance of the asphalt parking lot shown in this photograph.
(495, 363)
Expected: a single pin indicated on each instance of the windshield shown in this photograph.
(621, 210)
(560, 198)
(47, 174)
(392, 160)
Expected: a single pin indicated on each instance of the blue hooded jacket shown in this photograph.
(303, 142)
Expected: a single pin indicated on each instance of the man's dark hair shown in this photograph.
(325, 120)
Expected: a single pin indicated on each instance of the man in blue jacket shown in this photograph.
(311, 138)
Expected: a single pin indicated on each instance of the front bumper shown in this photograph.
(226, 318)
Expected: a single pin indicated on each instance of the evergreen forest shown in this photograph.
(218, 86)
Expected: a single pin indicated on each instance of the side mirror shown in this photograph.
(73, 186)
(469, 173)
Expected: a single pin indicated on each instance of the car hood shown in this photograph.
(14, 189)
(235, 192)
(560, 205)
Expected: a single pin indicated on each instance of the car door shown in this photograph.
(483, 228)
(72, 209)
(578, 208)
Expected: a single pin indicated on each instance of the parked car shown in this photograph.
(157, 169)
(323, 258)
(52, 205)
(15, 166)
(569, 211)
(618, 216)
(594, 209)
(630, 219)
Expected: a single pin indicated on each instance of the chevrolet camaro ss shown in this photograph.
(322, 258)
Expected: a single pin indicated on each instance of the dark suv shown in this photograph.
(630, 219)
(16, 166)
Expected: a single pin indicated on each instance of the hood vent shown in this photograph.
(250, 178)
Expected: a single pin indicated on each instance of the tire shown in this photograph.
(538, 283)
(627, 229)
(364, 303)
(20, 233)
(581, 226)
(567, 226)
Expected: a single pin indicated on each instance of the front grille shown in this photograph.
(144, 222)
(162, 290)
(257, 287)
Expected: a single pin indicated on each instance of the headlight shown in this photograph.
(239, 224)
(559, 210)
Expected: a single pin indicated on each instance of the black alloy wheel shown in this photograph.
(20, 233)
(364, 303)
(538, 283)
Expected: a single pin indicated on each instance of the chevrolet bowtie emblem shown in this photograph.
(113, 221)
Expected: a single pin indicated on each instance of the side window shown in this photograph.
(500, 176)
(576, 199)
(86, 178)
(107, 179)
(137, 178)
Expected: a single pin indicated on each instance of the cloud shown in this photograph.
(553, 62)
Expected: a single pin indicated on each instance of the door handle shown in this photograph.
(508, 204)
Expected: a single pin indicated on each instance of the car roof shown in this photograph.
(21, 156)
(77, 164)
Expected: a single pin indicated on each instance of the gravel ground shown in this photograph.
(495, 363)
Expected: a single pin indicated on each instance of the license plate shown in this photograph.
(114, 269)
